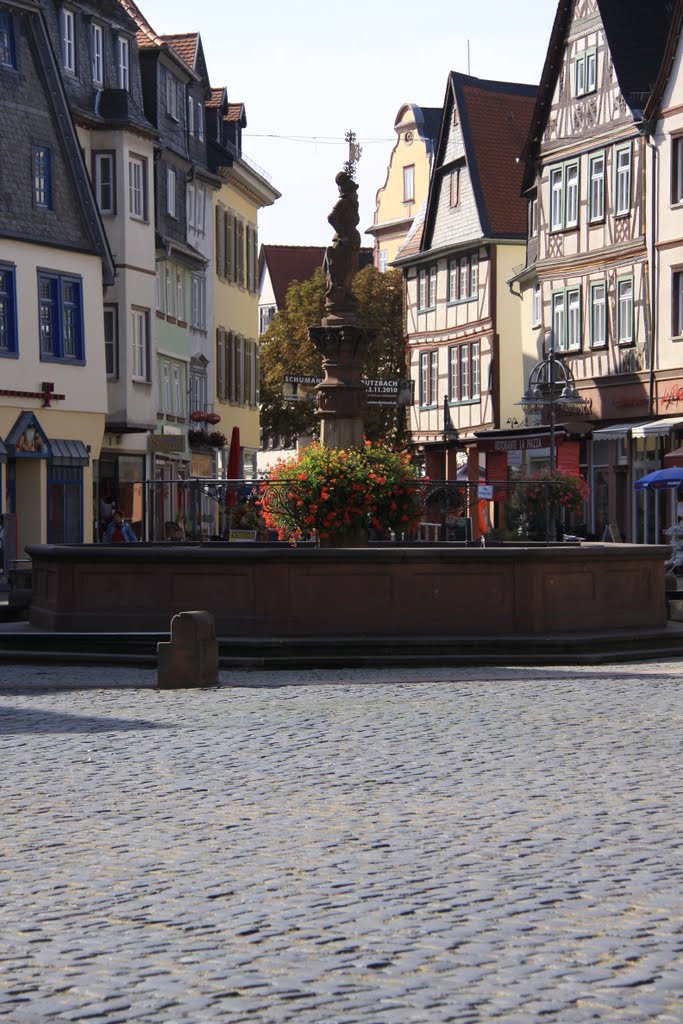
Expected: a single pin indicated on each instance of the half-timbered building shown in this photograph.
(463, 323)
(587, 280)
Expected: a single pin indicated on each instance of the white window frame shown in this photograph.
(533, 217)
(171, 180)
(101, 160)
(409, 183)
(123, 63)
(161, 305)
(475, 370)
(580, 75)
(537, 306)
(676, 170)
(190, 115)
(622, 173)
(172, 85)
(572, 185)
(556, 198)
(137, 191)
(598, 303)
(596, 187)
(97, 48)
(178, 391)
(383, 261)
(625, 318)
(432, 287)
(422, 276)
(69, 40)
(464, 373)
(199, 121)
(170, 289)
(180, 293)
(573, 319)
(111, 340)
(198, 302)
(558, 307)
(140, 334)
(591, 70)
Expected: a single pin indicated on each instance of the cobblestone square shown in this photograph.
(390, 846)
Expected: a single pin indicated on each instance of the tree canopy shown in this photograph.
(287, 349)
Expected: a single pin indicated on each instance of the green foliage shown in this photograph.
(329, 492)
(287, 349)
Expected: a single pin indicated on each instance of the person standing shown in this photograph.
(119, 531)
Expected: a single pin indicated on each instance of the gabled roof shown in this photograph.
(188, 45)
(637, 36)
(236, 113)
(289, 263)
(148, 39)
(667, 64)
(217, 98)
(494, 119)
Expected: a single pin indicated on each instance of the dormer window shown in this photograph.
(172, 85)
(97, 50)
(69, 40)
(123, 63)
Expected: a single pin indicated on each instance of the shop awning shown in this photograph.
(69, 453)
(615, 432)
(657, 428)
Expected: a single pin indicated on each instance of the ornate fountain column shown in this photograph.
(340, 340)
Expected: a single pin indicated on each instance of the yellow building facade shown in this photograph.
(407, 182)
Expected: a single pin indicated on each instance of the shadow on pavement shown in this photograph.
(16, 721)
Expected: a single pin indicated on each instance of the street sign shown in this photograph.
(300, 387)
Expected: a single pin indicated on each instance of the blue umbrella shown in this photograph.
(671, 477)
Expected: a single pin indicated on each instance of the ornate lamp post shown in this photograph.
(551, 384)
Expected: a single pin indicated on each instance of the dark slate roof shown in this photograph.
(290, 263)
(494, 119)
(636, 34)
(432, 122)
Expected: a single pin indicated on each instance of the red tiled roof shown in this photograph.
(290, 263)
(185, 45)
(216, 97)
(235, 111)
(497, 120)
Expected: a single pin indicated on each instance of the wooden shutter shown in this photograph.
(229, 243)
(220, 243)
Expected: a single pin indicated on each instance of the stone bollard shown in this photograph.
(191, 657)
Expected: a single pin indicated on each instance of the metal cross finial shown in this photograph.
(355, 152)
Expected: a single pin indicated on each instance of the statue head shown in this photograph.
(345, 183)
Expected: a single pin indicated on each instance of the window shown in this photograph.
(199, 389)
(537, 310)
(383, 261)
(432, 288)
(161, 306)
(454, 187)
(189, 201)
(97, 50)
(556, 201)
(252, 259)
(463, 278)
(596, 194)
(69, 40)
(198, 301)
(123, 64)
(7, 55)
(571, 218)
(170, 191)
(564, 196)
(140, 323)
(409, 184)
(170, 290)
(8, 312)
(103, 179)
(266, 315)
(190, 116)
(42, 177)
(172, 87)
(180, 294)
(428, 378)
(598, 293)
(677, 170)
(111, 342)
(573, 319)
(623, 181)
(533, 217)
(464, 372)
(137, 188)
(676, 305)
(625, 311)
(199, 121)
(585, 71)
(178, 391)
(558, 321)
(60, 315)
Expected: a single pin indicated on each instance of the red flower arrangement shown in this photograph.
(335, 493)
(557, 487)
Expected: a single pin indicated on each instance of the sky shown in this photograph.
(308, 71)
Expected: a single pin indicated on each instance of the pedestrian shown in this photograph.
(119, 531)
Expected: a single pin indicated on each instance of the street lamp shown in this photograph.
(551, 384)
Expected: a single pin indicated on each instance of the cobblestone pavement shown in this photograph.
(471, 845)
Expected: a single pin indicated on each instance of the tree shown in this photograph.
(287, 349)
